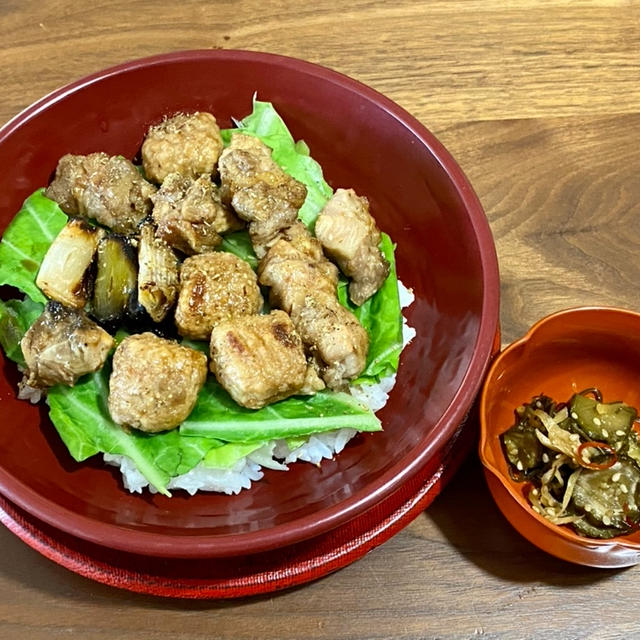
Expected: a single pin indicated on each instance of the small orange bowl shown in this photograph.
(560, 355)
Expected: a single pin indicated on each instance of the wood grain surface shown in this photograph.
(539, 101)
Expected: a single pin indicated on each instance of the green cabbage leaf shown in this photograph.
(381, 316)
(16, 316)
(216, 415)
(26, 241)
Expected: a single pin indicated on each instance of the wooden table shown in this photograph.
(539, 101)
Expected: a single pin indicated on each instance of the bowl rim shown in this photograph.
(565, 533)
(152, 543)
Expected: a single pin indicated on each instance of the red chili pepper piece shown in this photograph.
(601, 446)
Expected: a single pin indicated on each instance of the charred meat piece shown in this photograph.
(106, 188)
(350, 237)
(157, 274)
(303, 283)
(116, 278)
(259, 190)
(189, 214)
(214, 287)
(246, 162)
(258, 360)
(62, 345)
(334, 336)
(268, 212)
(154, 383)
(189, 144)
(296, 266)
(65, 269)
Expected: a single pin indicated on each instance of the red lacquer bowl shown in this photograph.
(562, 354)
(445, 253)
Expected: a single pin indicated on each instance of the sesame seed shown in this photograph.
(605, 433)
(623, 488)
(619, 432)
(616, 476)
(520, 466)
(535, 492)
(588, 508)
(597, 421)
(545, 458)
(574, 415)
(538, 404)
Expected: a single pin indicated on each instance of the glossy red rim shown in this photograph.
(325, 520)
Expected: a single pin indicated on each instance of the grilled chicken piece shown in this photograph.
(189, 144)
(294, 267)
(258, 360)
(189, 214)
(247, 161)
(268, 212)
(64, 272)
(154, 383)
(303, 283)
(158, 280)
(259, 190)
(214, 287)
(62, 345)
(106, 188)
(334, 336)
(350, 237)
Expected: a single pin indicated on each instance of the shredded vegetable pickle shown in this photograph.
(581, 460)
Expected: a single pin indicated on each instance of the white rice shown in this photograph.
(200, 478)
(276, 454)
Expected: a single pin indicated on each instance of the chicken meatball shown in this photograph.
(154, 383)
(106, 188)
(189, 144)
(350, 237)
(214, 287)
(258, 360)
(189, 214)
(62, 345)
